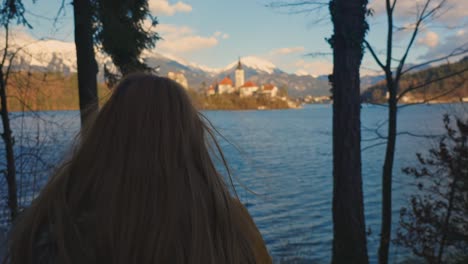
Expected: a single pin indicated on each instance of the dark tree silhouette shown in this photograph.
(425, 11)
(116, 27)
(434, 226)
(86, 61)
(350, 27)
(9, 10)
(123, 34)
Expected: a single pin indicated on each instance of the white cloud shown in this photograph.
(451, 13)
(431, 39)
(225, 36)
(178, 40)
(164, 8)
(286, 51)
(455, 42)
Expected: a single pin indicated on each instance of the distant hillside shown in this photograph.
(256, 70)
(40, 91)
(366, 80)
(45, 91)
(45, 56)
(377, 93)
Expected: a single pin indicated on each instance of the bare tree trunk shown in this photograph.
(349, 236)
(86, 62)
(387, 172)
(7, 137)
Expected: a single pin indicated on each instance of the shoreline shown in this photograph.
(245, 109)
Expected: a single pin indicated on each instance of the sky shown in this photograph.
(215, 33)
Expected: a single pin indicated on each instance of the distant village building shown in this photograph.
(248, 89)
(225, 86)
(322, 99)
(211, 90)
(244, 89)
(240, 77)
(178, 77)
(269, 90)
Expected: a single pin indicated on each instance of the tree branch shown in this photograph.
(432, 98)
(373, 146)
(412, 39)
(419, 86)
(374, 55)
(5, 51)
(456, 52)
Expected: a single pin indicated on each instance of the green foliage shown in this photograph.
(120, 32)
(13, 9)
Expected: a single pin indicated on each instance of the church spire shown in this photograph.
(239, 65)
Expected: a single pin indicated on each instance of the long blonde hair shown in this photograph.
(141, 187)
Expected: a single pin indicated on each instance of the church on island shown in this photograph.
(244, 89)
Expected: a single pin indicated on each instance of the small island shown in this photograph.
(237, 95)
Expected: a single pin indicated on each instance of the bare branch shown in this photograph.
(5, 50)
(388, 63)
(417, 135)
(373, 146)
(412, 39)
(393, 5)
(300, 6)
(59, 12)
(282, 4)
(419, 86)
(374, 55)
(457, 52)
(433, 98)
(319, 54)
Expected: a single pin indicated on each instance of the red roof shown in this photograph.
(268, 87)
(249, 84)
(226, 81)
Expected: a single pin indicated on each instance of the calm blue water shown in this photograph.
(282, 168)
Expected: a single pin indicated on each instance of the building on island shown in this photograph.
(240, 76)
(178, 77)
(248, 89)
(211, 90)
(225, 86)
(270, 90)
(240, 87)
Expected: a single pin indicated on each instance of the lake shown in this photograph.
(282, 168)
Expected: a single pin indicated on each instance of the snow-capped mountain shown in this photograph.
(60, 56)
(254, 63)
(51, 55)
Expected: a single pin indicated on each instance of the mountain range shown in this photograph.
(59, 56)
